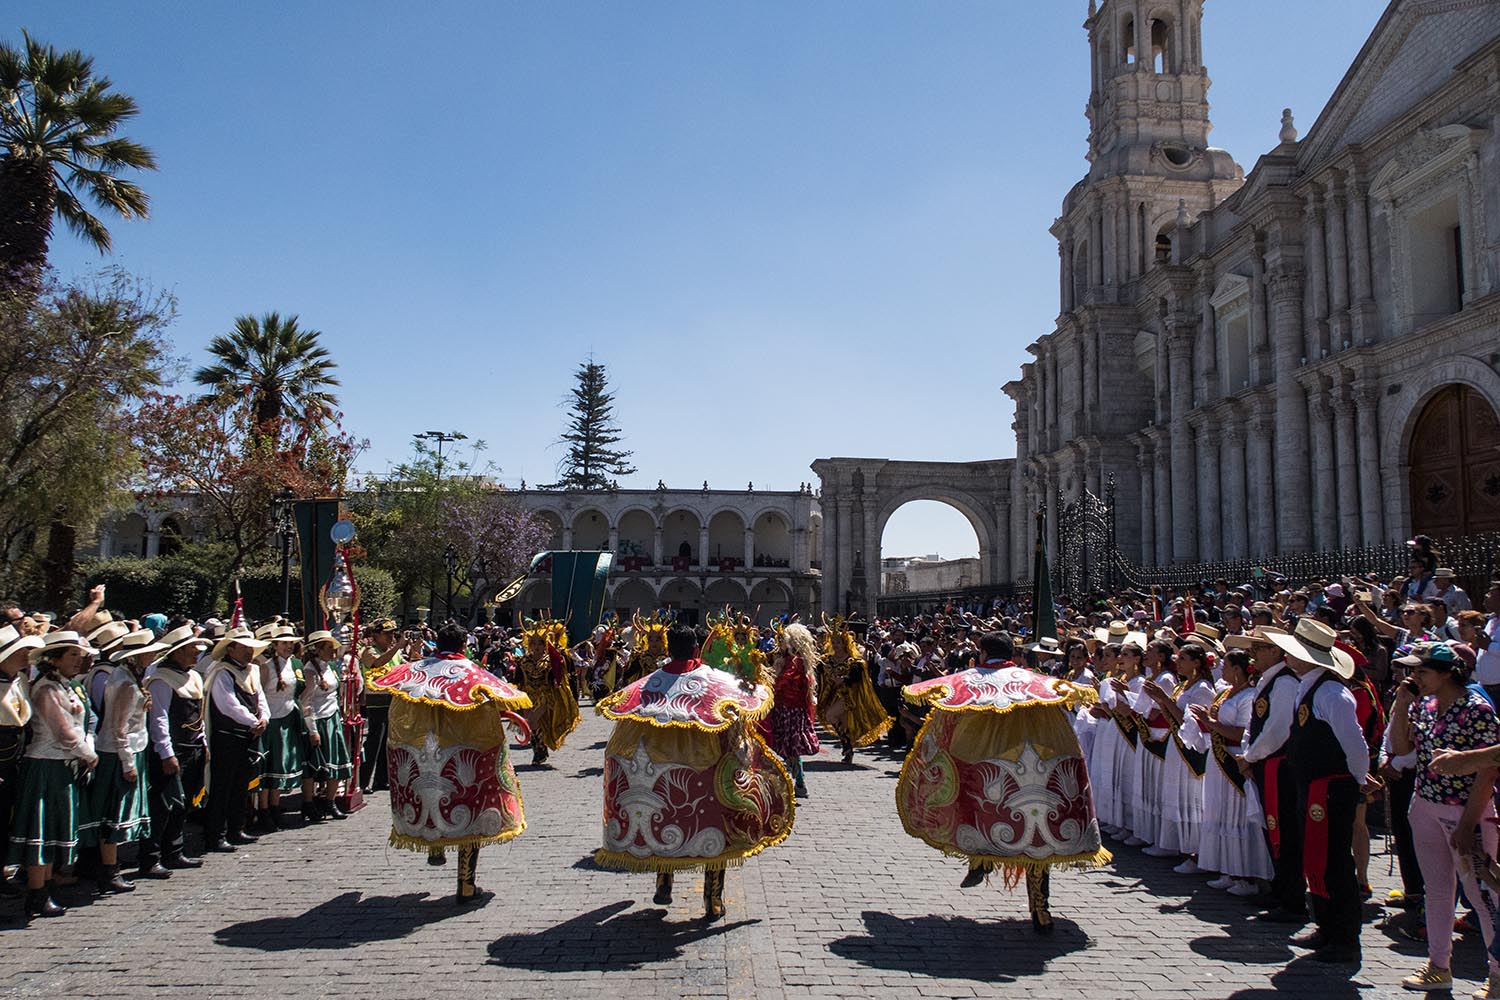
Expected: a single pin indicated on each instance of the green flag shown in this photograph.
(1043, 613)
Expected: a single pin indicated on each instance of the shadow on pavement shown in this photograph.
(345, 921)
(605, 940)
(589, 772)
(958, 947)
(1305, 978)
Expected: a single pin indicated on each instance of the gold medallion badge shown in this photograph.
(1303, 714)
(1262, 706)
(1316, 813)
(1270, 822)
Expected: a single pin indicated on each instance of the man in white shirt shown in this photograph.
(237, 715)
(1328, 751)
(1449, 592)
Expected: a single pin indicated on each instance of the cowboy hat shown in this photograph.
(64, 638)
(1116, 632)
(319, 637)
(135, 644)
(12, 641)
(1045, 646)
(104, 634)
(179, 637)
(1208, 636)
(238, 637)
(1313, 642)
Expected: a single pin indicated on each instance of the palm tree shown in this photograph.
(275, 368)
(57, 146)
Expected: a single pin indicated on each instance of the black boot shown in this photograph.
(539, 754)
(311, 813)
(111, 881)
(39, 904)
(978, 871)
(663, 895)
(848, 751)
(173, 862)
(332, 810)
(468, 892)
(151, 868)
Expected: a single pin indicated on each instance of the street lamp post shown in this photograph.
(450, 565)
(441, 438)
(285, 527)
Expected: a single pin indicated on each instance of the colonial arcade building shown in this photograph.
(1304, 357)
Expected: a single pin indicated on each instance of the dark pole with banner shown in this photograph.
(315, 519)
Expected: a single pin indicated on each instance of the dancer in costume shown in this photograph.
(688, 781)
(543, 675)
(996, 774)
(789, 728)
(847, 702)
(648, 648)
(451, 780)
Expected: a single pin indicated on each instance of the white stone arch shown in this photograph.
(724, 591)
(772, 530)
(772, 597)
(635, 527)
(678, 525)
(634, 595)
(591, 529)
(726, 534)
(682, 593)
(129, 535)
(965, 503)
(554, 521)
(1399, 418)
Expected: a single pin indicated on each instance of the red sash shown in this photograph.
(1271, 803)
(1315, 838)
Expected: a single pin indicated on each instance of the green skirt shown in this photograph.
(117, 812)
(281, 771)
(44, 829)
(329, 761)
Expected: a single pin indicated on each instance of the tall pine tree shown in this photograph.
(592, 461)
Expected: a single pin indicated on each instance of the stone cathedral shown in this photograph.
(1300, 357)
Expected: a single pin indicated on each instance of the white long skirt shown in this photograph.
(1102, 773)
(1147, 816)
(1124, 794)
(1232, 838)
(1181, 804)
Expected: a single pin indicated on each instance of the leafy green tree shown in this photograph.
(58, 133)
(274, 367)
(592, 461)
(76, 363)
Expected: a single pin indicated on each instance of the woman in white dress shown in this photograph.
(1231, 840)
(1184, 767)
(1101, 752)
(1125, 793)
(1156, 736)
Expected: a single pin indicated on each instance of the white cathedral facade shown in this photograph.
(1301, 357)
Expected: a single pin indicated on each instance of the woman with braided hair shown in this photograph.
(789, 728)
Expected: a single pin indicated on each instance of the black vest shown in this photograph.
(1314, 750)
(185, 721)
(223, 725)
(1262, 707)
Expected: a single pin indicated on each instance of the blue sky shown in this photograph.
(790, 229)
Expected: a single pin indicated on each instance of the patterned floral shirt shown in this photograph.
(1469, 724)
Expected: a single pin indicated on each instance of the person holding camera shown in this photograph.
(1436, 710)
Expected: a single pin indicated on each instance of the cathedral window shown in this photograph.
(1437, 275)
(1161, 33)
(1231, 305)
(1127, 41)
(1164, 245)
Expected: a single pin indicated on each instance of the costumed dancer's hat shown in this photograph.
(1314, 642)
(238, 637)
(179, 637)
(63, 639)
(12, 641)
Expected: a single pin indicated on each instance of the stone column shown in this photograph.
(872, 561)
(1096, 251)
(1265, 484)
(1371, 503)
(1065, 273)
(1107, 240)
(1210, 538)
(1324, 479)
(829, 556)
(1001, 540)
(567, 537)
(1054, 398)
(1344, 444)
(1207, 354)
(749, 547)
(1317, 264)
(1049, 495)
(656, 553)
(1292, 507)
(1184, 479)
(1338, 253)
(1236, 506)
(153, 542)
(845, 559)
(1362, 312)
(106, 542)
(1163, 493)
(703, 546)
(1146, 465)
(1260, 341)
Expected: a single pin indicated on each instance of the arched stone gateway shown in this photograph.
(860, 495)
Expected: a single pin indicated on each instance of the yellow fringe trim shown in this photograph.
(1075, 697)
(874, 734)
(725, 707)
(520, 704)
(408, 843)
